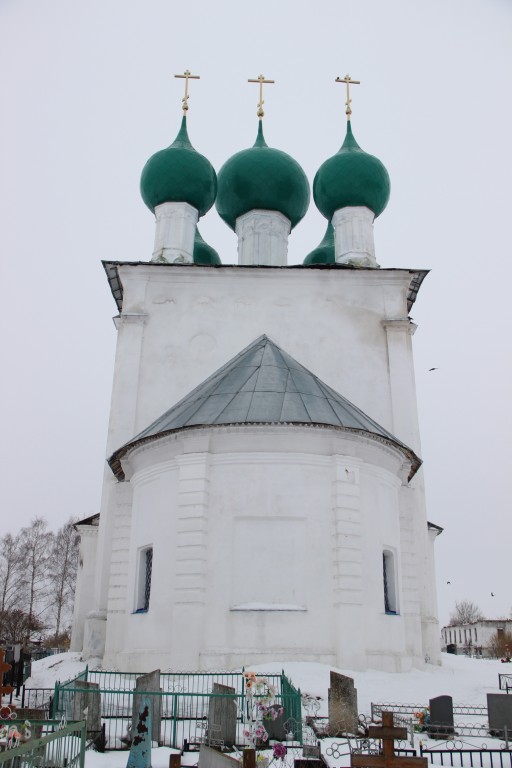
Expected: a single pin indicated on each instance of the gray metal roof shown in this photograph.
(262, 385)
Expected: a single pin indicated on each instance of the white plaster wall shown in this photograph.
(197, 318)
(178, 325)
(84, 590)
(243, 567)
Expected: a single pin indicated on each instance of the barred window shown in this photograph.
(144, 580)
(389, 582)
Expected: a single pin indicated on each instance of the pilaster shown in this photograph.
(347, 534)
(119, 561)
(193, 497)
(402, 382)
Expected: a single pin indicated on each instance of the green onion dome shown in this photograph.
(262, 178)
(204, 253)
(179, 174)
(351, 178)
(324, 252)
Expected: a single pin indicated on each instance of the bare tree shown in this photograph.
(465, 612)
(62, 572)
(500, 645)
(9, 571)
(16, 626)
(35, 549)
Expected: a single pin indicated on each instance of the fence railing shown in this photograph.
(460, 758)
(505, 682)
(38, 698)
(61, 748)
(188, 709)
(472, 710)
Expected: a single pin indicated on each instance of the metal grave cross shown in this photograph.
(4, 667)
(387, 733)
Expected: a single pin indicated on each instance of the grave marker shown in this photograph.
(342, 699)
(387, 733)
(222, 716)
(87, 705)
(441, 717)
(276, 727)
(149, 683)
(140, 750)
(4, 667)
(212, 758)
(499, 709)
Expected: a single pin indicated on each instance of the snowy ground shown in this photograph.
(466, 680)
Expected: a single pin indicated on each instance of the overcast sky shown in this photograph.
(88, 94)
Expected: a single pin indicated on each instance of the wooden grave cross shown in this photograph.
(4, 667)
(387, 733)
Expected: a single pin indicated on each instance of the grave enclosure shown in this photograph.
(187, 709)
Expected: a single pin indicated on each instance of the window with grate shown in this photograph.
(144, 580)
(389, 582)
(147, 582)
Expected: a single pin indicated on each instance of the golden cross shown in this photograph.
(348, 81)
(261, 79)
(187, 77)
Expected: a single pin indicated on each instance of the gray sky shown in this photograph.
(88, 94)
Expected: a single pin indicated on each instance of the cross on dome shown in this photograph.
(348, 82)
(187, 76)
(261, 79)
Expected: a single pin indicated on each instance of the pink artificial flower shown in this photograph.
(279, 751)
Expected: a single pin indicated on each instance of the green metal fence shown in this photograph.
(69, 684)
(60, 747)
(184, 704)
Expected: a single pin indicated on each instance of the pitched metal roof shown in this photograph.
(262, 385)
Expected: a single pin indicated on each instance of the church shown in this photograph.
(263, 495)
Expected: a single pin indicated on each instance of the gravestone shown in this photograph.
(32, 715)
(140, 750)
(212, 758)
(87, 705)
(499, 709)
(314, 762)
(222, 716)
(149, 683)
(276, 727)
(342, 699)
(441, 717)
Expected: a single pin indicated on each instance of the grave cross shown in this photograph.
(4, 667)
(387, 733)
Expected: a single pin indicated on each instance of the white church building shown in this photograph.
(263, 497)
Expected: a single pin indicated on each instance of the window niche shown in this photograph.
(145, 569)
(389, 582)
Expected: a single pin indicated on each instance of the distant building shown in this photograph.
(473, 638)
